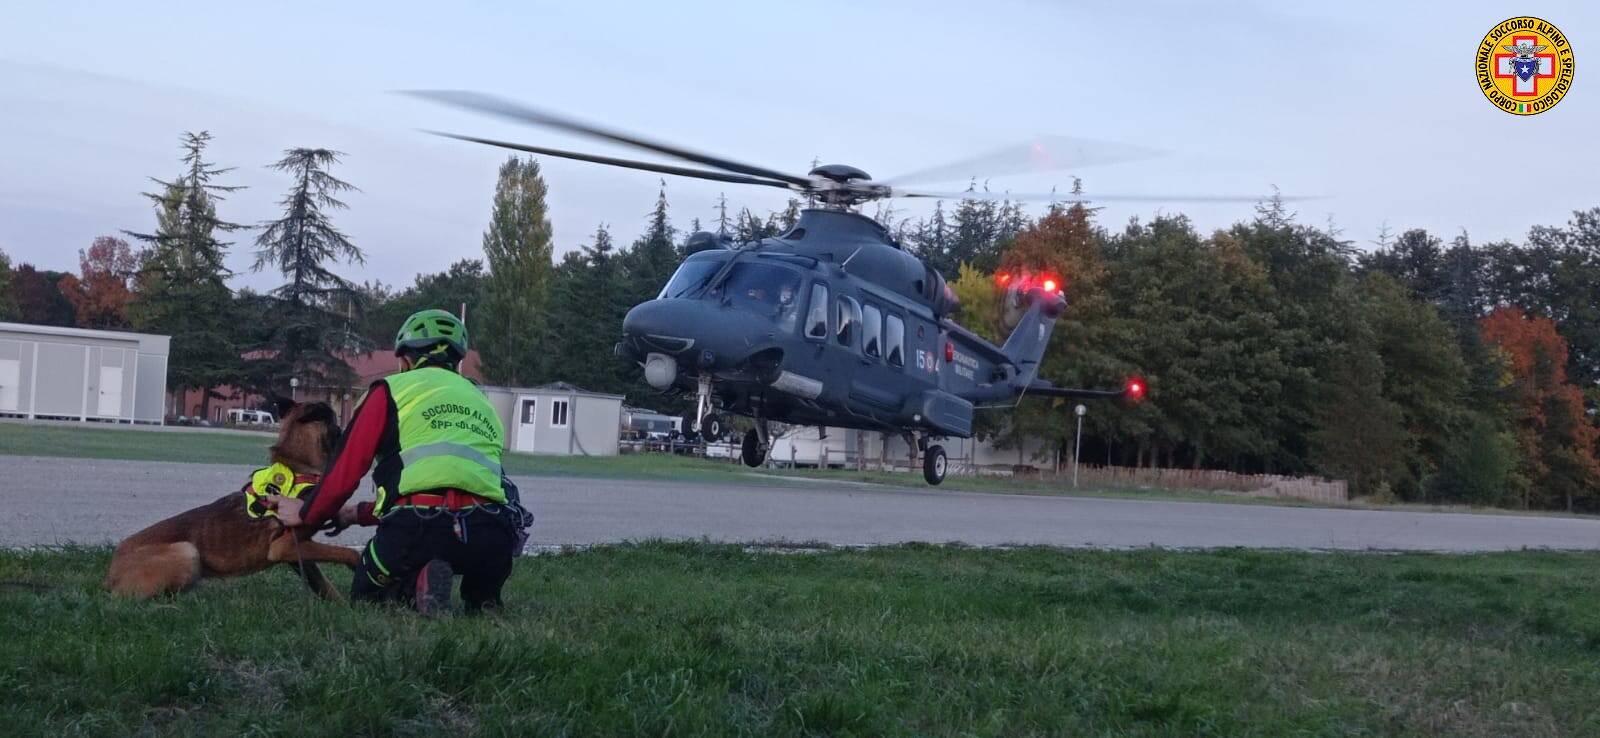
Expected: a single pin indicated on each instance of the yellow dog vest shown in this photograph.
(277, 479)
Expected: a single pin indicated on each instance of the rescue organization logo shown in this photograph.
(1525, 65)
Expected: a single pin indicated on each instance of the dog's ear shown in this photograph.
(282, 405)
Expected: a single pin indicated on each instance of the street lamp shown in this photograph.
(1077, 448)
(294, 389)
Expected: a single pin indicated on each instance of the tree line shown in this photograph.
(1419, 369)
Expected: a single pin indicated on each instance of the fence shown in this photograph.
(1314, 489)
(1251, 485)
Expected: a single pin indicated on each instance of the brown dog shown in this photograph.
(221, 540)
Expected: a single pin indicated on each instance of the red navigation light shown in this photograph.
(1049, 285)
(949, 352)
(1134, 389)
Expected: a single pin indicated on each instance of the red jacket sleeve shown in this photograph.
(356, 453)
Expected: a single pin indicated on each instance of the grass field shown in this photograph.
(18, 439)
(199, 446)
(688, 639)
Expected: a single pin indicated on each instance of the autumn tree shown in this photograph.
(1065, 245)
(38, 299)
(101, 291)
(1555, 436)
(510, 331)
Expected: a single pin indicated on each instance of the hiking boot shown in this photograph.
(433, 588)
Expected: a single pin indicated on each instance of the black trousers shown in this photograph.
(408, 539)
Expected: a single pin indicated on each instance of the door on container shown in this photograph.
(110, 392)
(10, 377)
(527, 420)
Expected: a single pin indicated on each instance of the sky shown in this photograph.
(1371, 106)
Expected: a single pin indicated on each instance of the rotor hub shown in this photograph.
(840, 173)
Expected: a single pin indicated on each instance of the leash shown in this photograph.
(299, 561)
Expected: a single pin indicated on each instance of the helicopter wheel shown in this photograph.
(934, 464)
(712, 426)
(751, 451)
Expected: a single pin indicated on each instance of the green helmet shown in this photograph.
(428, 329)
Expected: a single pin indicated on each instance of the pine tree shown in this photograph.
(510, 331)
(311, 319)
(590, 295)
(654, 257)
(182, 290)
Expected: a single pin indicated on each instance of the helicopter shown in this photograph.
(833, 322)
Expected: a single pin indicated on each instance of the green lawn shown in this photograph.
(78, 441)
(695, 639)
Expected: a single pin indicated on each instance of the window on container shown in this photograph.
(849, 321)
(558, 413)
(817, 316)
(527, 411)
(894, 339)
(871, 331)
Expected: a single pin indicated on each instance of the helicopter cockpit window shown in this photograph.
(693, 275)
(764, 288)
(849, 318)
(817, 315)
(871, 331)
(894, 339)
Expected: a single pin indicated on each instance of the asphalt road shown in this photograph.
(56, 501)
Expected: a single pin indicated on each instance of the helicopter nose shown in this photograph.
(663, 326)
(695, 332)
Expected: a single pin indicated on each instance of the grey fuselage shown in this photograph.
(830, 323)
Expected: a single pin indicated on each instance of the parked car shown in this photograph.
(239, 416)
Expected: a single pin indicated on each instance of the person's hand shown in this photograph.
(349, 515)
(288, 509)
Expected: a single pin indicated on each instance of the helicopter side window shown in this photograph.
(894, 339)
(817, 316)
(871, 331)
(849, 318)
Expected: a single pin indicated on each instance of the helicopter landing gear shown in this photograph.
(711, 425)
(934, 464)
(752, 452)
(757, 441)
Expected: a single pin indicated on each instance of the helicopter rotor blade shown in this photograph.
(616, 162)
(490, 105)
(1090, 197)
(1041, 154)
